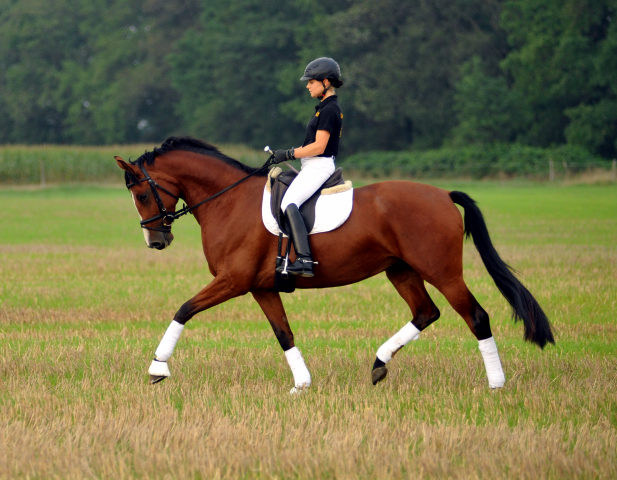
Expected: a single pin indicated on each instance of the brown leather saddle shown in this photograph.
(279, 186)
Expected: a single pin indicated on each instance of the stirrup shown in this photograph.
(302, 267)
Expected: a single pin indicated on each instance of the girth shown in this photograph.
(279, 186)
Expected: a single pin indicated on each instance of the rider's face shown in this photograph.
(315, 87)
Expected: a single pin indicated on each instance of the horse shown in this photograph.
(412, 231)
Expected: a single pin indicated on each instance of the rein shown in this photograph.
(170, 217)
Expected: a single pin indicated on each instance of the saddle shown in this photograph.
(279, 183)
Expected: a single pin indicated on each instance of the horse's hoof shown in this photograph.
(157, 378)
(158, 371)
(378, 374)
(299, 390)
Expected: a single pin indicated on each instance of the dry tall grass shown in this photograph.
(75, 402)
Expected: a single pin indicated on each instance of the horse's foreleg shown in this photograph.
(272, 306)
(218, 291)
(478, 322)
(410, 286)
(159, 370)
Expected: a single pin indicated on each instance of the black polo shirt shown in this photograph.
(328, 116)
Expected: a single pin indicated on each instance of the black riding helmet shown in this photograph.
(321, 69)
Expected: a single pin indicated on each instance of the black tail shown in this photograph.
(524, 306)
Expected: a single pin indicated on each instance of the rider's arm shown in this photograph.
(315, 148)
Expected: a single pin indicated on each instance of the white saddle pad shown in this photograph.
(331, 211)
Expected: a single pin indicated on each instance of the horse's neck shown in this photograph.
(201, 176)
(227, 219)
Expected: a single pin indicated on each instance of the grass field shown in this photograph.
(84, 304)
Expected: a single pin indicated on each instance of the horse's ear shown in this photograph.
(125, 166)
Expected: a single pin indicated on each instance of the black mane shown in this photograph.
(189, 144)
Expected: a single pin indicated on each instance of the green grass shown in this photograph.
(83, 304)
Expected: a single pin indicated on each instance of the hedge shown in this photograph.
(476, 162)
(58, 164)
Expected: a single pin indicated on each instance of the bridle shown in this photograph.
(169, 217)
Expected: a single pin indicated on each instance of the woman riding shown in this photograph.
(318, 152)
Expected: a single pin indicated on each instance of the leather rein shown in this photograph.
(169, 217)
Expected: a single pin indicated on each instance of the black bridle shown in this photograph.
(169, 217)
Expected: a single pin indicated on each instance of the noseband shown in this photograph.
(169, 217)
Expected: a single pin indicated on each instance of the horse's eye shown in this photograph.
(143, 197)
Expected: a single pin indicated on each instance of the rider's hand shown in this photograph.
(283, 155)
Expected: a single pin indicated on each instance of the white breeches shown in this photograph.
(315, 171)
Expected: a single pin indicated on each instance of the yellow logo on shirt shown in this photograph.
(317, 114)
(341, 114)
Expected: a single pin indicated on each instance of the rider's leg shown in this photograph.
(303, 265)
(315, 171)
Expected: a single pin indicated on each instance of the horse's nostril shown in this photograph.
(157, 245)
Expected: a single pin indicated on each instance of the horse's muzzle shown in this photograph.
(162, 241)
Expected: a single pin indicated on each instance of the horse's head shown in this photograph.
(154, 203)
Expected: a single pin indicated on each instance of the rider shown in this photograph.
(318, 152)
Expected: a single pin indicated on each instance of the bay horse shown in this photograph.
(412, 231)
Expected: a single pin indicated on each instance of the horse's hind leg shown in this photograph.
(272, 306)
(461, 299)
(410, 286)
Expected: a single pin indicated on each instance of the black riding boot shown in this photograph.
(303, 265)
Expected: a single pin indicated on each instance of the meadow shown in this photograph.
(84, 304)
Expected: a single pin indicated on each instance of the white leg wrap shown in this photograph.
(494, 372)
(168, 343)
(302, 376)
(405, 335)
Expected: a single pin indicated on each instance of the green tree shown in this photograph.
(238, 72)
(35, 36)
(92, 71)
(230, 69)
(593, 123)
(403, 62)
(563, 63)
(488, 111)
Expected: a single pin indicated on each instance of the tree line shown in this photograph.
(418, 74)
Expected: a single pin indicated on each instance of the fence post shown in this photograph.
(42, 165)
(551, 171)
(614, 169)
